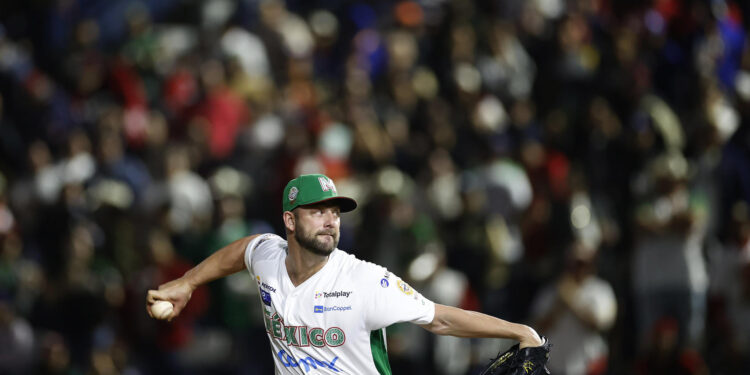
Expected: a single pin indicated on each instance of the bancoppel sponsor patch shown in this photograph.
(318, 309)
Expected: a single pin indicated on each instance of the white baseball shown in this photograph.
(162, 309)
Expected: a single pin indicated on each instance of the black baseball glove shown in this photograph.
(526, 361)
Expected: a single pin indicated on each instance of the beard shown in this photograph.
(310, 242)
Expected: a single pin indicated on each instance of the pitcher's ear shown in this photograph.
(290, 221)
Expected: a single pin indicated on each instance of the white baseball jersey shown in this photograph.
(334, 322)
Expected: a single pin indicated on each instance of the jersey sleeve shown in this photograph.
(390, 300)
(254, 246)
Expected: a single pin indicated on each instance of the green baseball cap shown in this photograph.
(313, 188)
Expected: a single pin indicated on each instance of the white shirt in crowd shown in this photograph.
(595, 295)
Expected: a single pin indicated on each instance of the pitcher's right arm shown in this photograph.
(228, 260)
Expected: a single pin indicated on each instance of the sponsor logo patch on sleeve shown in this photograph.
(404, 287)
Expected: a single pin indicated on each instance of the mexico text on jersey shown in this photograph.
(333, 322)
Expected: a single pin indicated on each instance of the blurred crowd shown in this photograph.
(579, 165)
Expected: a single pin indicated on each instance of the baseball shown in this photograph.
(161, 309)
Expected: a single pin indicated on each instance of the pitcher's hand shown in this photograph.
(532, 339)
(178, 292)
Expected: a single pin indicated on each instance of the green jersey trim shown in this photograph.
(379, 352)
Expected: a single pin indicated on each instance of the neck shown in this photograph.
(301, 264)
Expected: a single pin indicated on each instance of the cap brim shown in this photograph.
(346, 204)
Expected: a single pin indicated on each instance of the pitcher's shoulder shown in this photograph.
(267, 246)
(362, 270)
